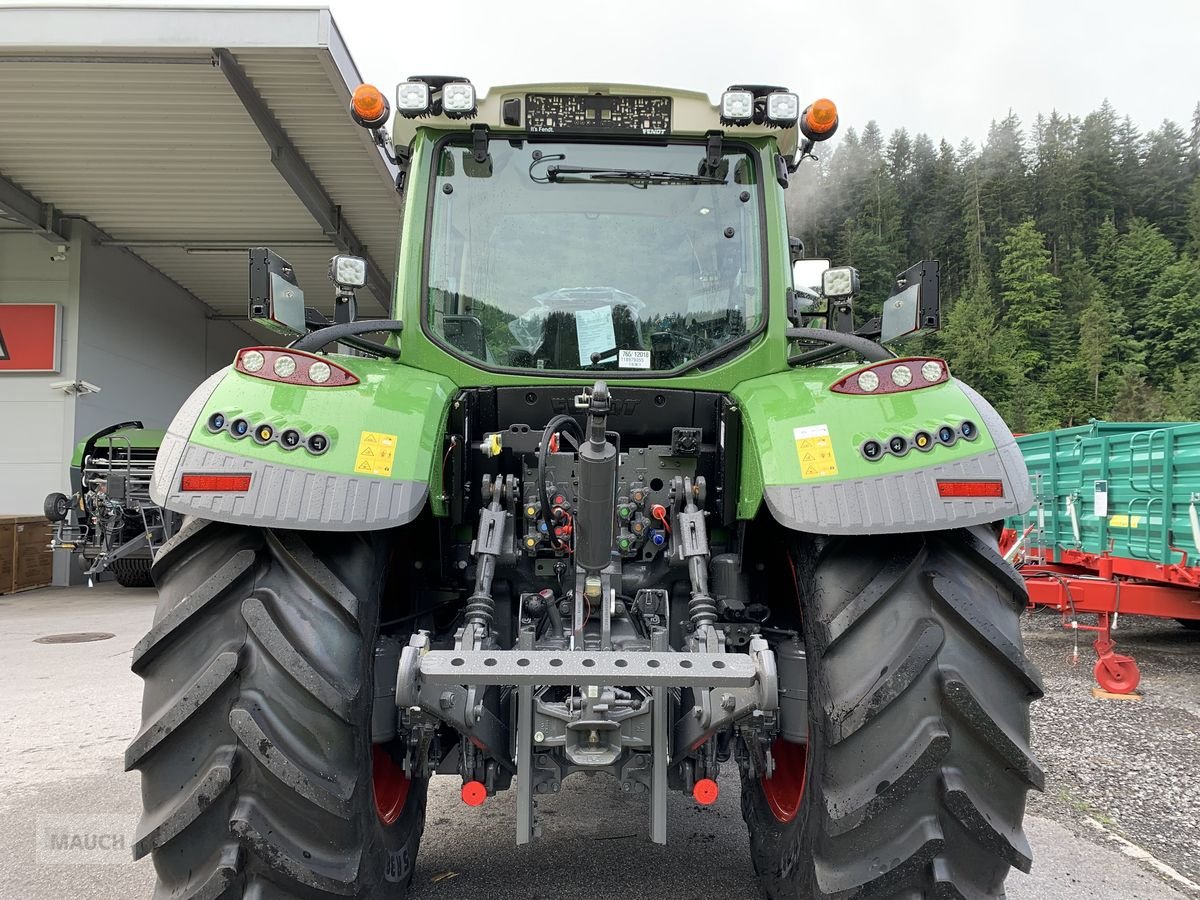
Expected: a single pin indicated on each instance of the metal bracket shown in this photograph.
(479, 143)
(526, 815)
(659, 712)
(714, 149)
(581, 668)
(735, 703)
(27, 209)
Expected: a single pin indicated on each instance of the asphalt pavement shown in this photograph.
(68, 811)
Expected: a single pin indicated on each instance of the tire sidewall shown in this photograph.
(390, 851)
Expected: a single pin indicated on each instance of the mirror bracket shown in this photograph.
(714, 150)
(345, 306)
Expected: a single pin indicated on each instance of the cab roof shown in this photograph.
(693, 113)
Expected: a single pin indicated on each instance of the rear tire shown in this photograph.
(132, 573)
(1190, 624)
(255, 749)
(915, 777)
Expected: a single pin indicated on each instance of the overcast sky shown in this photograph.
(946, 67)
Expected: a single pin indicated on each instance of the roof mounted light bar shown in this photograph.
(436, 95)
(759, 104)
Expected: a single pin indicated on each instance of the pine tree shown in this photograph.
(1099, 172)
(1097, 339)
(976, 350)
(1194, 140)
(1173, 320)
(1068, 258)
(1167, 175)
(1031, 296)
(1142, 255)
(1004, 199)
(1194, 218)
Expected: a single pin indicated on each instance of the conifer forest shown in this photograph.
(1069, 250)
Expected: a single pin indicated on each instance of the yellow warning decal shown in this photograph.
(815, 450)
(1124, 521)
(376, 453)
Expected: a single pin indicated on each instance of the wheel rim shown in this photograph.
(391, 785)
(784, 790)
(1117, 676)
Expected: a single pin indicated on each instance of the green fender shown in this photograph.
(803, 456)
(383, 436)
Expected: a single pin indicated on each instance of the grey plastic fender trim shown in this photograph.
(904, 501)
(282, 496)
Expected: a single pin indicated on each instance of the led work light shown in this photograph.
(839, 283)
(458, 99)
(412, 98)
(737, 106)
(348, 271)
(783, 107)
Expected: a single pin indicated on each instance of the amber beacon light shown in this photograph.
(820, 120)
(368, 106)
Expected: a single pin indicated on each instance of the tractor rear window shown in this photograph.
(569, 257)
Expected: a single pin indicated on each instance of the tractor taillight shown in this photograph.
(215, 483)
(292, 367)
(894, 376)
(951, 490)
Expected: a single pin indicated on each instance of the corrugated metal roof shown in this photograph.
(129, 123)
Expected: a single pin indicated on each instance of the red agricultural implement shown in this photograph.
(1114, 531)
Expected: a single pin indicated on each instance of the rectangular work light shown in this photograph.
(412, 98)
(737, 107)
(458, 99)
(783, 107)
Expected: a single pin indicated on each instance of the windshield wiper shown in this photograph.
(634, 177)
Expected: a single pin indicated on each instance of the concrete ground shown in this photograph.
(68, 811)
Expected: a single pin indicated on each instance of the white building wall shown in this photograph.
(143, 340)
(37, 424)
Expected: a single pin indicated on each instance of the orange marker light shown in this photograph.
(820, 120)
(368, 106)
(706, 792)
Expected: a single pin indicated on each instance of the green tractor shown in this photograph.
(608, 495)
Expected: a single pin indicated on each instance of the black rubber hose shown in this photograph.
(868, 349)
(560, 421)
(315, 340)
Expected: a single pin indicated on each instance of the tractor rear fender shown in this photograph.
(381, 440)
(803, 455)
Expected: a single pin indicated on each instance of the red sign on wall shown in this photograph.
(30, 337)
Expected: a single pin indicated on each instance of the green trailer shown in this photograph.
(1115, 528)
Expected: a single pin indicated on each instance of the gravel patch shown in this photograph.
(1132, 765)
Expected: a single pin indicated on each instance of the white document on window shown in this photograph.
(595, 333)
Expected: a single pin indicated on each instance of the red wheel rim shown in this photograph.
(1117, 676)
(391, 785)
(784, 790)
